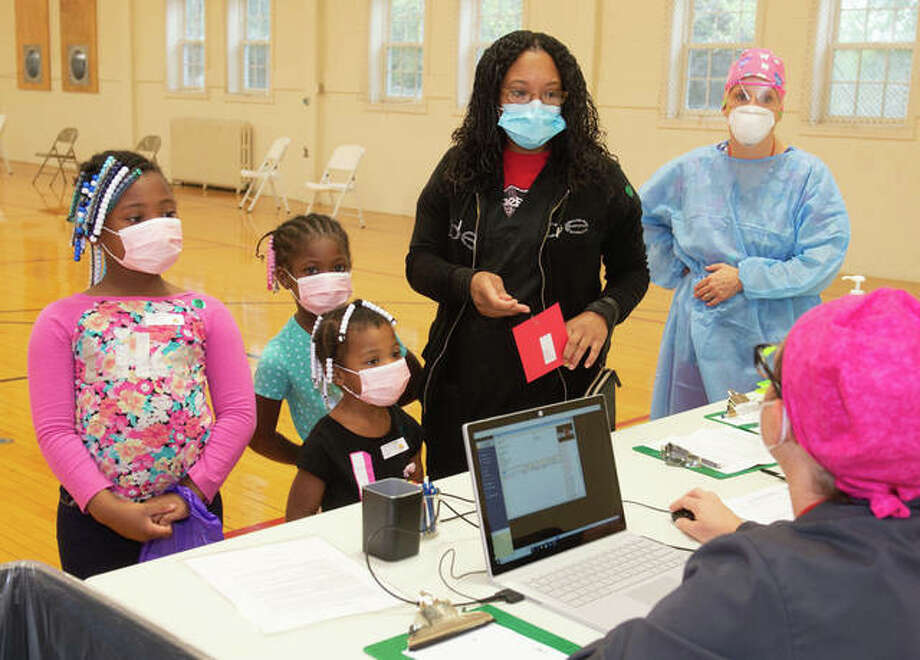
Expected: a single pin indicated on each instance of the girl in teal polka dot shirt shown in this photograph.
(310, 257)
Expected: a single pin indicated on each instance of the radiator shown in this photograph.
(210, 152)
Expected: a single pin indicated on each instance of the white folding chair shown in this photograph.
(61, 151)
(268, 172)
(3, 153)
(149, 147)
(339, 176)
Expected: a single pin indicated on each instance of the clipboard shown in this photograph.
(709, 472)
(722, 419)
(392, 648)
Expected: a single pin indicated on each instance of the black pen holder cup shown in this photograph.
(391, 513)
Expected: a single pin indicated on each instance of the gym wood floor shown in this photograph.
(36, 268)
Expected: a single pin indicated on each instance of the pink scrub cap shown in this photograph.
(851, 388)
(758, 63)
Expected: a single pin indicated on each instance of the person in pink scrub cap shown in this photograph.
(842, 419)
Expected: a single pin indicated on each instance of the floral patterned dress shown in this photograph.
(140, 388)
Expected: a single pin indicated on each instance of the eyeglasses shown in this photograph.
(521, 95)
(763, 95)
(764, 358)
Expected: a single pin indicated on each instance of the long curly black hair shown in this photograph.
(475, 160)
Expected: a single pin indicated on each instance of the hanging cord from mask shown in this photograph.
(505, 595)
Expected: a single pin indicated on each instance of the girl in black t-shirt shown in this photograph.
(366, 436)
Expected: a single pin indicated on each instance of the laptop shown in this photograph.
(551, 515)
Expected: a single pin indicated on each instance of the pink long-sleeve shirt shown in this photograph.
(119, 386)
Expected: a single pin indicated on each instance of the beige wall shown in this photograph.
(320, 53)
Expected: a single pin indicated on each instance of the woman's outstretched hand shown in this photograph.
(491, 299)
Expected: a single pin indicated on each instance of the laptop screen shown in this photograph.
(545, 480)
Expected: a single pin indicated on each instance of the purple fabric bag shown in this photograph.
(200, 528)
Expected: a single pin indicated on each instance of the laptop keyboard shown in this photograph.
(614, 570)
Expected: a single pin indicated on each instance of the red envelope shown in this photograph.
(540, 341)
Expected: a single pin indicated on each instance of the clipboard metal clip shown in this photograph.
(740, 404)
(438, 620)
(677, 456)
(734, 400)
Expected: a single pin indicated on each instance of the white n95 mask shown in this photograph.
(750, 124)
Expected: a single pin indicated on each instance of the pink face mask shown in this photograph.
(381, 386)
(151, 246)
(323, 292)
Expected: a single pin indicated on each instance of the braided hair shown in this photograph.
(101, 182)
(283, 242)
(330, 337)
(475, 160)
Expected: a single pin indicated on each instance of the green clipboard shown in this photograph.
(393, 647)
(721, 419)
(709, 472)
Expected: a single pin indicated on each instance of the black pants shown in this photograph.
(88, 547)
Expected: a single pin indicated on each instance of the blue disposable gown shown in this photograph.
(780, 220)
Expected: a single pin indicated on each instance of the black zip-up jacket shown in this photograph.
(582, 229)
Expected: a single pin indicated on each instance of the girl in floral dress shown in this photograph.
(119, 376)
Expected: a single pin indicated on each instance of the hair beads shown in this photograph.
(315, 374)
(270, 283)
(101, 183)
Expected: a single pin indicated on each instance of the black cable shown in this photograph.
(457, 497)
(502, 595)
(367, 559)
(461, 515)
(472, 599)
(655, 508)
(676, 547)
(648, 506)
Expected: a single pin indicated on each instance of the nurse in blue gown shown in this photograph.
(747, 232)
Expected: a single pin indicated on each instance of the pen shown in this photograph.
(773, 473)
(427, 493)
(710, 464)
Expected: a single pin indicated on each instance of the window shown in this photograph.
(249, 45)
(706, 37)
(864, 60)
(481, 23)
(397, 40)
(185, 44)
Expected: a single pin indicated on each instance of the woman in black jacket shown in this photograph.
(520, 214)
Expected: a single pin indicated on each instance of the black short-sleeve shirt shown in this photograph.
(328, 449)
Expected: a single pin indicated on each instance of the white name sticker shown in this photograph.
(163, 318)
(549, 351)
(391, 449)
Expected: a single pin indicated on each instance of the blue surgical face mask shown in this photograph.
(531, 125)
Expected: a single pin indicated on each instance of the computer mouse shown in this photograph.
(682, 513)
